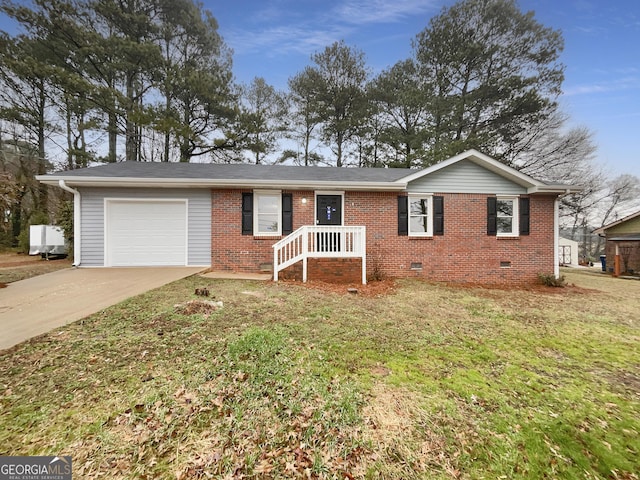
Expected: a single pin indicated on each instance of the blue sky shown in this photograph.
(274, 39)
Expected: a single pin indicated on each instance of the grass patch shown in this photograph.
(289, 382)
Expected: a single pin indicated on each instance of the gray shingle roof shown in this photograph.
(204, 171)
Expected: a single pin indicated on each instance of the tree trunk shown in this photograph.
(167, 147)
(113, 137)
(70, 163)
(185, 147)
(42, 162)
(130, 127)
(339, 141)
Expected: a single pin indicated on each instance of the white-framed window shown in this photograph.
(267, 213)
(420, 215)
(507, 216)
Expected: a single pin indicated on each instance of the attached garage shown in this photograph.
(145, 232)
(144, 227)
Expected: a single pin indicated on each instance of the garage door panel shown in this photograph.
(146, 233)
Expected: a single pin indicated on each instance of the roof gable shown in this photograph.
(632, 220)
(465, 177)
(484, 161)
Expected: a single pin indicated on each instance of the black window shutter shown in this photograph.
(247, 214)
(403, 215)
(524, 216)
(287, 213)
(492, 216)
(438, 215)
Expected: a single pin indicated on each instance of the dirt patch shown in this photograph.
(17, 259)
(380, 371)
(372, 289)
(628, 380)
(198, 307)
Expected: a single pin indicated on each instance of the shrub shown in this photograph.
(550, 280)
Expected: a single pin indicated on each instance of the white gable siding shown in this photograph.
(92, 213)
(465, 177)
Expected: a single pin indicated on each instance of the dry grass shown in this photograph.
(284, 381)
(15, 267)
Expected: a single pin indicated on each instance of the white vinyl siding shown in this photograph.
(198, 220)
(465, 177)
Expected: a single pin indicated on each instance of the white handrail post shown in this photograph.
(275, 264)
(305, 251)
(363, 249)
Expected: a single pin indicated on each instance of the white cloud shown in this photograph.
(620, 84)
(286, 30)
(381, 11)
(284, 39)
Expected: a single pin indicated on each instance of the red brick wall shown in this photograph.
(230, 250)
(463, 254)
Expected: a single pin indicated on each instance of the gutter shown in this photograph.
(221, 183)
(77, 227)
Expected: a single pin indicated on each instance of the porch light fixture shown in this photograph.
(304, 200)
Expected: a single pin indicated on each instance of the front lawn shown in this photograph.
(285, 381)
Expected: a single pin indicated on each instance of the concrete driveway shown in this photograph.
(38, 305)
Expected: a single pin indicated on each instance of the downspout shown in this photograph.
(76, 222)
(556, 234)
(556, 237)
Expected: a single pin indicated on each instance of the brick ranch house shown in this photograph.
(467, 219)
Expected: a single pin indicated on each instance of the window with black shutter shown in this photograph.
(247, 213)
(420, 215)
(524, 216)
(492, 218)
(508, 216)
(287, 213)
(403, 215)
(269, 211)
(438, 215)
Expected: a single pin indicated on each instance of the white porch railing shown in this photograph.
(320, 241)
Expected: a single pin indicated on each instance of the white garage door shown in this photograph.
(145, 233)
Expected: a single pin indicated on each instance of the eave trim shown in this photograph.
(216, 183)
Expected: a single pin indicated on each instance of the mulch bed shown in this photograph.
(377, 288)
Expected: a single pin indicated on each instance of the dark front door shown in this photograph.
(328, 212)
(329, 209)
